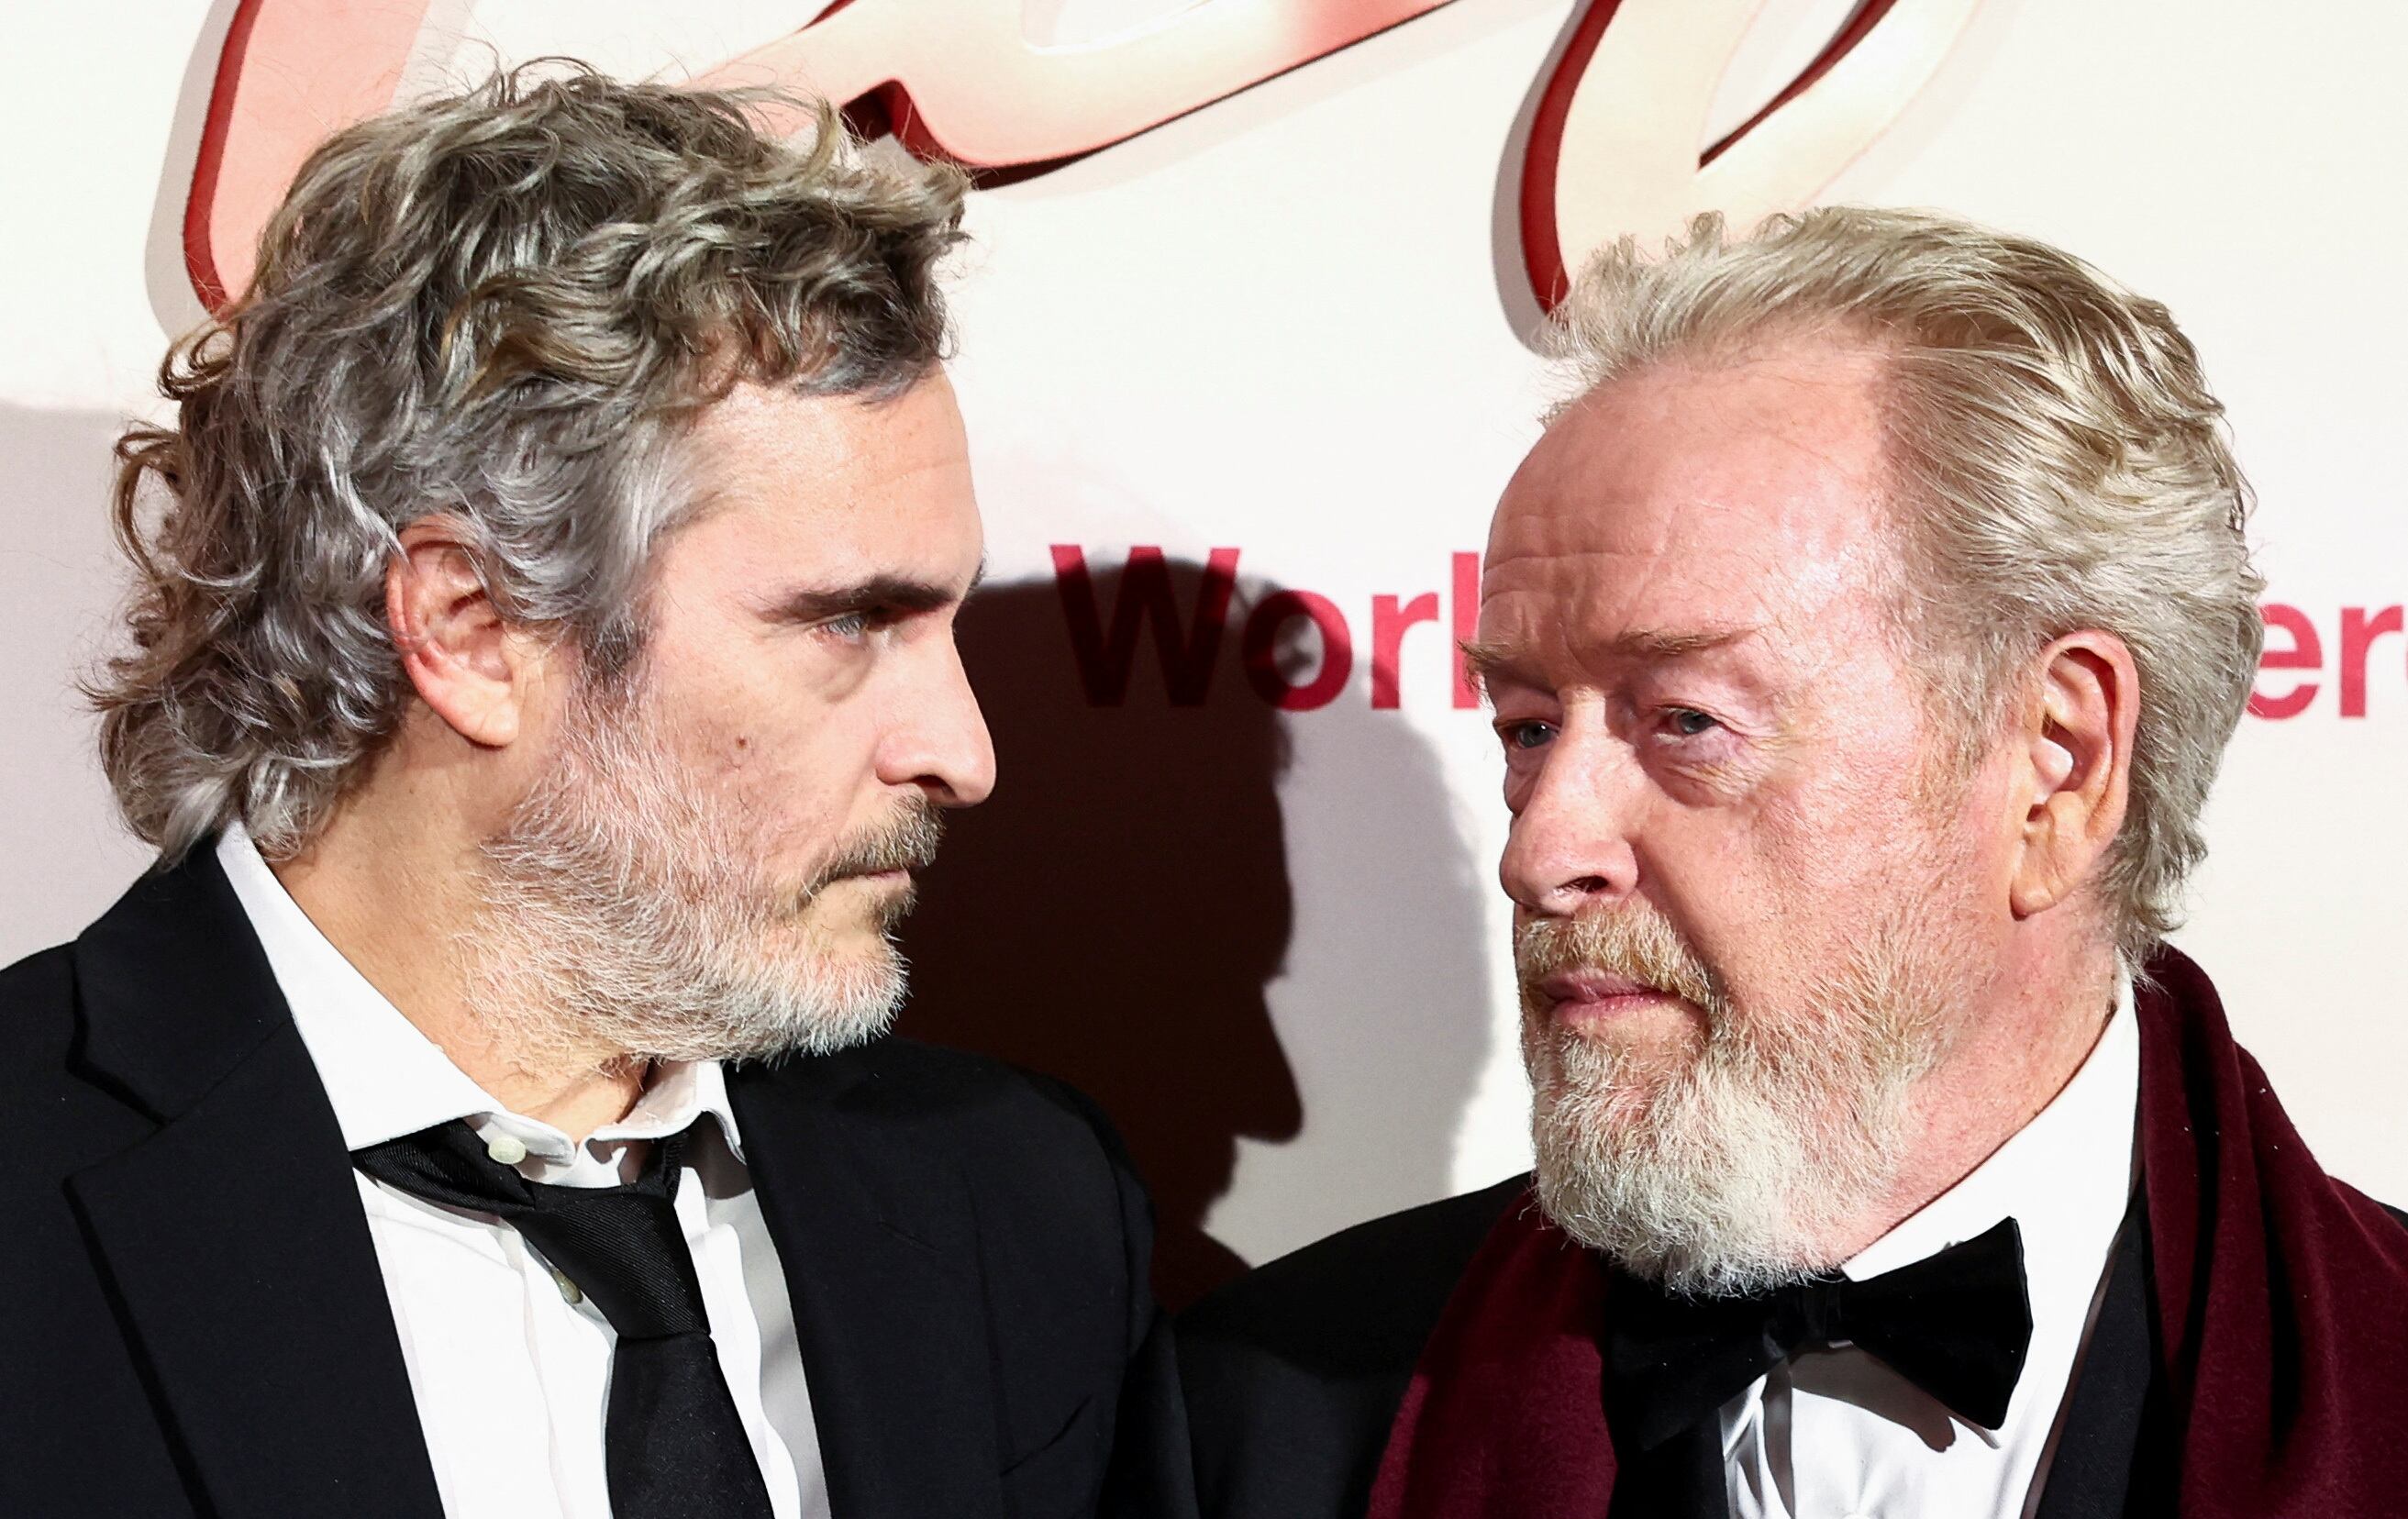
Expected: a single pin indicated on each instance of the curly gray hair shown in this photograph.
(2057, 464)
(504, 305)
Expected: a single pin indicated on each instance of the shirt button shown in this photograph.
(506, 1150)
(570, 1292)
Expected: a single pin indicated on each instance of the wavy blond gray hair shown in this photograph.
(507, 306)
(2057, 464)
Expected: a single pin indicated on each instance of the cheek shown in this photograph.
(1775, 891)
(1859, 806)
(772, 783)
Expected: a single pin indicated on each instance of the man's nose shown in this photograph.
(1571, 844)
(941, 744)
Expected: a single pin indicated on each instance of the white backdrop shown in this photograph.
(1287, 323)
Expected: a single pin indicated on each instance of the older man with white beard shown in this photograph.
(1861, 642)
(540, 688)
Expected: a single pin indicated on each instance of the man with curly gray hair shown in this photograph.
(1860, 642)
(540, 688)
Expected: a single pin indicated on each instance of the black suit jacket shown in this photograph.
(193, 1321)
(1293, 1374)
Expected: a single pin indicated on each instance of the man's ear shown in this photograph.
(463, 658)
(2073, 770)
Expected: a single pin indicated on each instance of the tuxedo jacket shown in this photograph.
(193, 1321)
(1294, 1373)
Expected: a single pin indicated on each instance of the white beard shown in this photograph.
(1719, 1179)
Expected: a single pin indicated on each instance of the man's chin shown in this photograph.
(839, 1007)
(1607, 1090)
(859, 909)
(1644, 1055)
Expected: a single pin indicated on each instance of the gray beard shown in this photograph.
(626, 918)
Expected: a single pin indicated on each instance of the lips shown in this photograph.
(1589, 984)
(1586, 996)
(884, 861)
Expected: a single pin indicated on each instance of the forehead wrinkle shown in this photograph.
(1521, 660)
(1704, 561)
(1689, 554)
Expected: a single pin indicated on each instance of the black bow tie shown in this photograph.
(1957, 1324)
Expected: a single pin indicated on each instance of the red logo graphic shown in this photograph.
(2301, 655)
(1613, 147)
(1612, 150)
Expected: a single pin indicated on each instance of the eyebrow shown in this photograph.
(1650, 643)
(889, 592)
(1485, 661)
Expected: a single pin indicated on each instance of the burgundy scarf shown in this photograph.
(2281, 1297)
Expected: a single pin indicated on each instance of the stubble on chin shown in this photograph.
(629, 913)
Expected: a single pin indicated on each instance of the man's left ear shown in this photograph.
(2073, 774)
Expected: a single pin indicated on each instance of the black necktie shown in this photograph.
(673, 1446)
(1957, 1324)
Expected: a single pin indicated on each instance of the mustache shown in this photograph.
(905, 841)
(1636, 941)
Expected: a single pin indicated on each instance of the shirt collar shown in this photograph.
(679, 1092)
(382, 1076)
(2047, 1176)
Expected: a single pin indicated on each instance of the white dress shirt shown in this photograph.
(1836, 1433)
(509, 1366)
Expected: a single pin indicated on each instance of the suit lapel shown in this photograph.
(233, 1237)
(2091, 1474)
(878, 1247)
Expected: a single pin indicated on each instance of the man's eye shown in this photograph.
(849, 626)
(1687, 721)
(1526, 735)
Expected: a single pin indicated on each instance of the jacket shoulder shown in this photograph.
(973, 1099)
(42, 979)
(1044, 1164)
(968, 1154)
(1293, 1373)
(37, 1021)
(1366, 1298)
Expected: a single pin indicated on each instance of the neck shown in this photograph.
(385, 886)
(2043, 1016)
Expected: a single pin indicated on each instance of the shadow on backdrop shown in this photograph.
(1112, 914)
(1117, 912)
